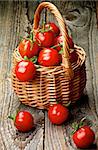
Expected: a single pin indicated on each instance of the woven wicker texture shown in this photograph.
(64, 83)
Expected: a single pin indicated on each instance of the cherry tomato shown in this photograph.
(71, 43)
(58, 114)
(24, 121)
(45, 39)
(73, 56)
(59, 41)
(53, 27)
(83, 137)
(49, 57)
(25, 70)
(28, 48)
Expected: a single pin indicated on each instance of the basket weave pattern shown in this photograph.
(64, 83)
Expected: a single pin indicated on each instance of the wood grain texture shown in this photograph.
(16, 18)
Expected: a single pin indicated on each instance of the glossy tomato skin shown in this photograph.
(73, 56)
(71, 43)
(25, 70)
(59, 40)
(24, 121)
(28, 48)
(83, 137)
(45, 39)
(58, 114)
(53, 27)
(49, 57)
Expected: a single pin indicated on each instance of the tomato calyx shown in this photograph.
(30, 37)
(44, 29)
(33, 59)
(12, 117)
(57, 45)
(77, 125)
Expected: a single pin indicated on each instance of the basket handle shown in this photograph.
(65, 56)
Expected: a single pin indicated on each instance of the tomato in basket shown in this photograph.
(58, 42)
(73, 56)
(53, 27)
(25, 70)
(49, 57)
(58, 114)
(45, 38)
(70, 42)
(28, 48)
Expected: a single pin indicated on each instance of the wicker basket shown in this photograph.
(64, 83)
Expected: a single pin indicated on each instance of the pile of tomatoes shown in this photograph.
(44, 48)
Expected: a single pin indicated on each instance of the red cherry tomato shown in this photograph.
(73, 56)
(49, 57)
(45, 39)
(25, 70)
(53, 27)
(59, 40)
(71, 43)
(28, 48)
(57, 114)
(24, 121)
(83, 137)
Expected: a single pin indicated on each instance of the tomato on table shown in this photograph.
(24, 121)
(25, 70)
(83, 137)
(58, 114)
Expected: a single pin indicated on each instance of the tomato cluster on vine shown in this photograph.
(44, 49)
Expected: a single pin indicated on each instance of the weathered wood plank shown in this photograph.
(54, 137)
(14, 22)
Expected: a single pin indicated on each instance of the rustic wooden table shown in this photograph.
(16, 18)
